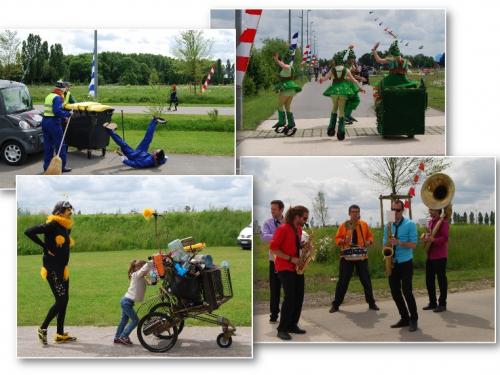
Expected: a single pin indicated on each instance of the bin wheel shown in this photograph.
(156, 332)
(411, 136)
(89, 154)
(103, 152)
(224, 342)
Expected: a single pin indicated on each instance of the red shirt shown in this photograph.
(285, 239)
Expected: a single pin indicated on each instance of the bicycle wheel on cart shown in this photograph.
(165, 308)
(157, 332)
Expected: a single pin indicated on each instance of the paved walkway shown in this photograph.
(98, 342)
(228, 111)
(311, 109)
(470, 318)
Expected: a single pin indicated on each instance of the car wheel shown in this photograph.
(13, 153)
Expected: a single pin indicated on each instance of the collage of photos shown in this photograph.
(281, 177)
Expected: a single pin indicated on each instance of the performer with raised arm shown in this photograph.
(286, 89)
(352, 100)
(353, 237)
(339, 91)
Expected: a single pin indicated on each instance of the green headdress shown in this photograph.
(338, 58)
(394, 49)
(351, 54)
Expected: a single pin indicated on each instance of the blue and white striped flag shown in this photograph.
(92, 80)
(293, 46)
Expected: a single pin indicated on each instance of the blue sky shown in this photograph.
(139, 40)
(336, 29)
(296, 180)
(108, 194)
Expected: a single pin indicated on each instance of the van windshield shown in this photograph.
(16, 99)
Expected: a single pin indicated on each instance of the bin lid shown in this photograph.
(88, 106)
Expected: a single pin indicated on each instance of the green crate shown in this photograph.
(402, 111)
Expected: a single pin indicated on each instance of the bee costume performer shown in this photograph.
(286, 89)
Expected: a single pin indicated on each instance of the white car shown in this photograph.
(245, 237)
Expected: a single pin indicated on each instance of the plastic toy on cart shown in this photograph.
(86, 131)
(191, 287)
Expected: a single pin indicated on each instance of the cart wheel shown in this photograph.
(166, 306)
(411, 136)
(224, 342)
(157, 332)
(103, 152)
(89, 154)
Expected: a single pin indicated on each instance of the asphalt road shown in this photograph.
(311, 110)
(470, 318)
(177, 164)
(229, 111)
(98, 342)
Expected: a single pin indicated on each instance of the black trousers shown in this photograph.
(346, 268)
(401, 280)
(433, 268)
(275, 291)
(291, 308)
(60, 290)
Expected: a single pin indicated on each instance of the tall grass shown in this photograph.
(143, 95)
(107, 232)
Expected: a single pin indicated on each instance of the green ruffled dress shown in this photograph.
(342, 86)
(287, 87)
(397, 80)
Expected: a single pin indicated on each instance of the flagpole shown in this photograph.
(239, 92)
(96, 78)
(289, 26)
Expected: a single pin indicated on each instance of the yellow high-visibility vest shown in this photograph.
(49, 100)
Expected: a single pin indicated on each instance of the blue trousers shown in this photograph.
(128, 313)
(128, 151)
(52, 137)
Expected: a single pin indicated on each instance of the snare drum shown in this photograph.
(354, 253)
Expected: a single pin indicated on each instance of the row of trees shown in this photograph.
(472, 219)
(34, 61)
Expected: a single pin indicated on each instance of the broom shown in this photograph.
(55, 166)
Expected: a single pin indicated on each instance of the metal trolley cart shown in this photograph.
(85, 131)
(194, 295)
(401, 111)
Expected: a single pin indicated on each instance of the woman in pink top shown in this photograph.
(436, 262)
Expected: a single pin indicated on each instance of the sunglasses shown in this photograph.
(396, 209)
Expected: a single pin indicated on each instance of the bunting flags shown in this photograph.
(207, 80)
(388, 30)
(416, 179)
(251, 18)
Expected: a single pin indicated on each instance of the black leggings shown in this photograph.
(60, 290)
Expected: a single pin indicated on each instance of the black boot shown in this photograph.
(331, 126)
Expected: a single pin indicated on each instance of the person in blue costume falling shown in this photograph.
(54, 116)
(140, 157)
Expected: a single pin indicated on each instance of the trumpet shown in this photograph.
(388, 251)
(306, 253)
(437, 193)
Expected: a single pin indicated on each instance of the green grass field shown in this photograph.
(261, 106)
(108, 232)
(435, 84)
(471, 258)
(99, 280)
(141, 95)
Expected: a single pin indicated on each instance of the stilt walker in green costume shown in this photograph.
(352, 100)
(287, 89)
(398, 69)
(339, 91)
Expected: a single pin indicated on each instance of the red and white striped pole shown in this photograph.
(247, 37)
(305, 55)
(207, 80)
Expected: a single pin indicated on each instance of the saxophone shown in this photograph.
(388, 251)
(306, 253)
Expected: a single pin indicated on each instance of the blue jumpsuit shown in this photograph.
(53, 132)
(138, 158)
